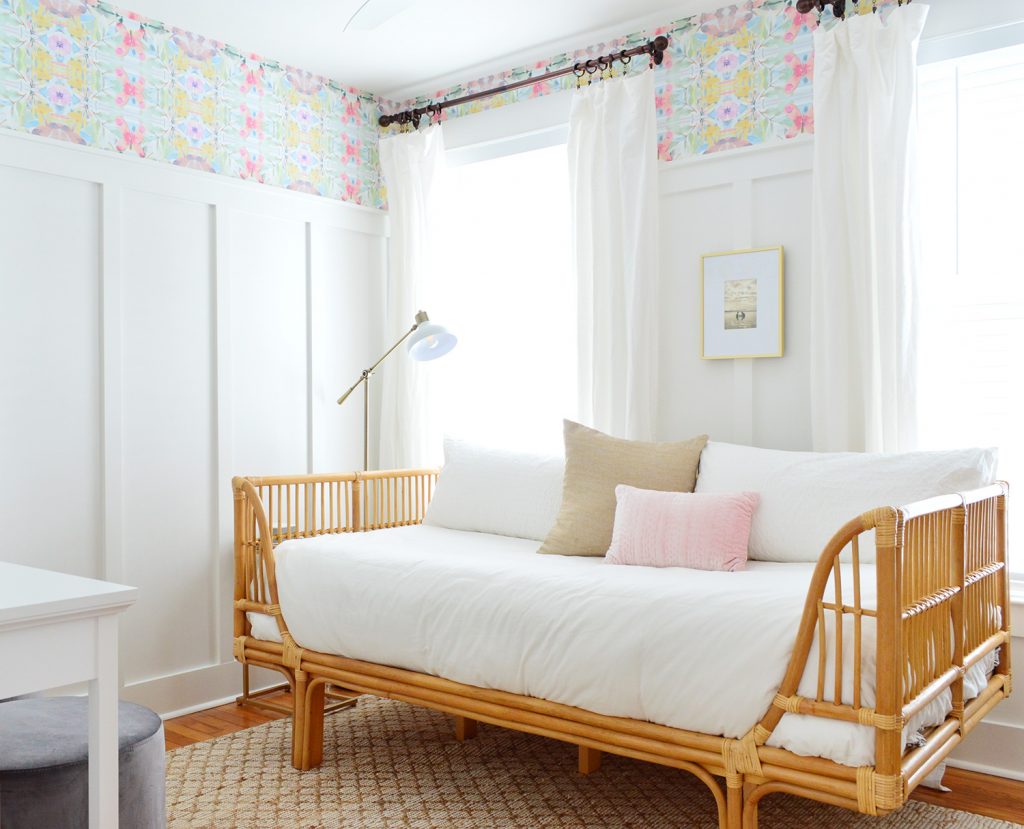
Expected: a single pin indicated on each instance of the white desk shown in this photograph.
(56, 630)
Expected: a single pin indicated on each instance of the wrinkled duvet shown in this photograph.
(702, 651)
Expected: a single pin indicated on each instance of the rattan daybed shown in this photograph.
(942, 607)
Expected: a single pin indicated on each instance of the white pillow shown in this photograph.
(263, 627)
(807, 496)
(496, 491)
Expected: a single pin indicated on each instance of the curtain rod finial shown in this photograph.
(657, 49)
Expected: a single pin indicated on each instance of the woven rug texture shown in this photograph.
(388, 764)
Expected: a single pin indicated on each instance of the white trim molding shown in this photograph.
(994, 747)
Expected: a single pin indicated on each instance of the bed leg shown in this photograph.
(749, 807)
(465, 728)
(590, 759)
(299, 717)
(313, 742)
(734, 801)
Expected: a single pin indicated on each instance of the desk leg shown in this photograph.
(103, 734)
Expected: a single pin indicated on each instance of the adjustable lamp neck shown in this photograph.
(421, 317)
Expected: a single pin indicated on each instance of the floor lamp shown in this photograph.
(427, 341)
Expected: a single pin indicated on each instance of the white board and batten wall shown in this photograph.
(163, 330)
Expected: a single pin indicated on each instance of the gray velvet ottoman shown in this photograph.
(44, 771)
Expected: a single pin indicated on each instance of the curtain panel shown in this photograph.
(412, 164)
(614, 193)
(864, 298)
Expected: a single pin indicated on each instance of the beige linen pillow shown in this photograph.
(595, 463)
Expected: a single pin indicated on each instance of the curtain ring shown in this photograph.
(579, 72)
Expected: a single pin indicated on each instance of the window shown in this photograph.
(505, 286)
(971, 118)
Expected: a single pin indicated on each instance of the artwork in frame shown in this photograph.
(741, 304)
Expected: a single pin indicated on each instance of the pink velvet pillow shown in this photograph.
(699, 530)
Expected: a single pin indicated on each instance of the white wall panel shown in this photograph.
(50, 371)
(751, 198)
(267, 276)
(695, 395)
(346, 306)
(782, 391)
(169, 521)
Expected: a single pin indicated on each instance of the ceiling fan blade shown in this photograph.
(374, 13)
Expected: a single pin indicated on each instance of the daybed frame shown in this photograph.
(942, 605)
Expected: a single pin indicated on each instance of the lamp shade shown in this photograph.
(430, 341)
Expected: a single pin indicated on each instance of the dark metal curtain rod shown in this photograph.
(655, 48)
(838, 6)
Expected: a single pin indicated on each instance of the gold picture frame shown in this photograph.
(742, 304)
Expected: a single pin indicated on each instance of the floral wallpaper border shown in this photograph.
(86, 72)
(735, 77)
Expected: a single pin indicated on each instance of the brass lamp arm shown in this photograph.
(368, 371)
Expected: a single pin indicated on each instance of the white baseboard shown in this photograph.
(992, 748)
(984, 768)
(185, 693)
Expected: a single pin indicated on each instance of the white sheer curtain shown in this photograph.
(614, 190)
(411, 163)
(864, 265)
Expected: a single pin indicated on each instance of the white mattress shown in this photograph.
(703, 651)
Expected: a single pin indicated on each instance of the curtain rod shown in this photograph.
(655, 48)
(838, 6)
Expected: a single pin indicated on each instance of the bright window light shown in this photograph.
(505, 287)
(971, 119)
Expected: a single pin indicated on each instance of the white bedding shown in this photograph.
(703, 651)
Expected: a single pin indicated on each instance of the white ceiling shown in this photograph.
(429, 44)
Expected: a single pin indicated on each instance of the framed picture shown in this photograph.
(741, 304)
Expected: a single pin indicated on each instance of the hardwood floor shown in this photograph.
(982, 794)
(217, 722)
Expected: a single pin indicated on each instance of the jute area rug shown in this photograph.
(388, 764)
